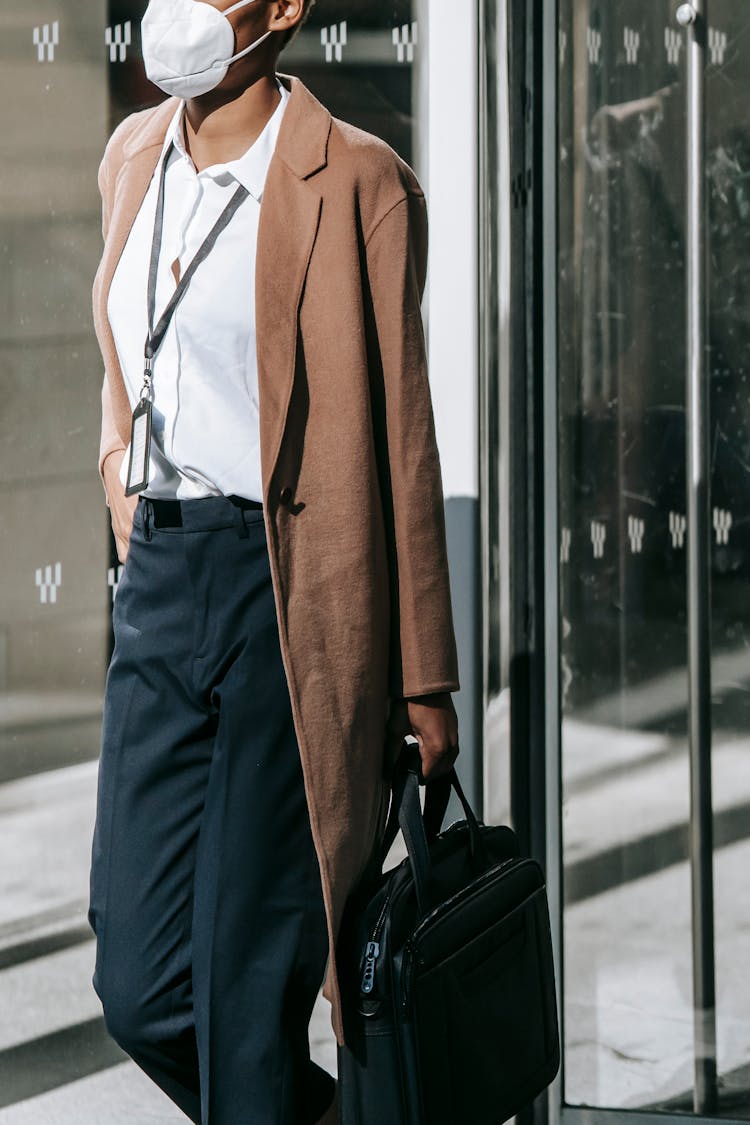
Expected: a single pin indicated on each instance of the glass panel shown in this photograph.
(627, 929)
(54, 550)
(728, 180)
(71, 72)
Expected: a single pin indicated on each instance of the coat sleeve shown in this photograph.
(423, 655)
(109, 438)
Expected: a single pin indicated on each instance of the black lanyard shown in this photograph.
(156, 335)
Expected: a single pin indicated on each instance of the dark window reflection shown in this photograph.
(622, 552)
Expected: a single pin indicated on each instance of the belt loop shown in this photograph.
(239, 521)
(148, 511)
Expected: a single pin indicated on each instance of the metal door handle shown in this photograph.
(685, 15)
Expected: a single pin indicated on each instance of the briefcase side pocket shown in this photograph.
(484, 1018)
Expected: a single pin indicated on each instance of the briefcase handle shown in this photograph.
(421, 828)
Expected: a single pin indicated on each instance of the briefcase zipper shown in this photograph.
(372, 950)
(368, 976)
(410, 958)
(464, 894)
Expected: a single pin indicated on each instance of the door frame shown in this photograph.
(528, 394)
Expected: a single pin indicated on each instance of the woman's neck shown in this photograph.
(219, 128)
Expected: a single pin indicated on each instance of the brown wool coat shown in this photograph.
(351, 475)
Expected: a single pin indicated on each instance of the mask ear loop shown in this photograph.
(247, 50)
(239, 55)
(233, 7)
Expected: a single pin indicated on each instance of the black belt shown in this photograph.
(169, 512)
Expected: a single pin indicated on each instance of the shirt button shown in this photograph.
(285, 495)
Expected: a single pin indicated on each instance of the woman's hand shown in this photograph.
(122, 507)
(433, 722)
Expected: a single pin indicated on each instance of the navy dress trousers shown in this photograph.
(205, 893)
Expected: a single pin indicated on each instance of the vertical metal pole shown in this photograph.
(553, 716)
(693, 17)
(420, 93)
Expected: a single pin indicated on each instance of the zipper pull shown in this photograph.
(368, 976)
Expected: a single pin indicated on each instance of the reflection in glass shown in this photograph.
(627, 932)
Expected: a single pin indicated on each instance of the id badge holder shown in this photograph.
(140, 448)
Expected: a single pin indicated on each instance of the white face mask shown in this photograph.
(187, 45)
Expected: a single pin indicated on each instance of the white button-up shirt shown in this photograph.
(205, 420)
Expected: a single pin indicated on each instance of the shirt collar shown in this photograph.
(251, 168)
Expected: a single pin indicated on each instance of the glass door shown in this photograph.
(632, 943)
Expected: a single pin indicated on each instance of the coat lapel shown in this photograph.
(289, 217)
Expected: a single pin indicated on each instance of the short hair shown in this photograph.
(290, 34)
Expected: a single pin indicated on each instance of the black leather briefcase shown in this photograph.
(447, 974)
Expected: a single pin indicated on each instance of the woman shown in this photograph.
(283, 616)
